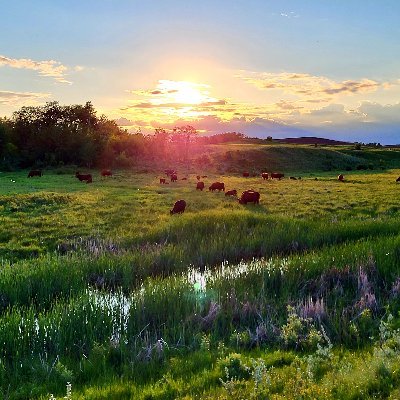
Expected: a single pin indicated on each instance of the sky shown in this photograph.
(259, 67)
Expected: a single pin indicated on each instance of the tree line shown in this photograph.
(55, 135)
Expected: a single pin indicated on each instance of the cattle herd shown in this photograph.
(248, 196)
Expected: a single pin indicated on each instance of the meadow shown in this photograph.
(297, 297)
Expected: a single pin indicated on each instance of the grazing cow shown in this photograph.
(179, 207)
(250, 196)
(34, 172)
(231, 193)
(276, 175)
(204, 176)
(106, 172)
(246, 174)
(340, 178)
(264, 175)
(217, 186)
(398, 179)
(200, 186)
(84, 177)
(198, 177)
(174, 178)
(293, 178)
(162, 180)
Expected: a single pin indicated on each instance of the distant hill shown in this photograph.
(312, 140)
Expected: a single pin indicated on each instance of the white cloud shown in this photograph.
(49, 68)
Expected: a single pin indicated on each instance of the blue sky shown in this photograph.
(325, 68)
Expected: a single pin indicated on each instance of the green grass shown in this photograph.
(101, 287)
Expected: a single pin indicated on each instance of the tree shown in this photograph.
(182, 136)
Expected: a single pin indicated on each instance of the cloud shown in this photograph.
(308, 87)
(49, 68)
(291, 14)
(21, 98)
(176, 105)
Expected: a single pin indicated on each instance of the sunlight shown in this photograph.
(183, 92)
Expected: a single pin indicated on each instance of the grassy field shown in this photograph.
(297, 297)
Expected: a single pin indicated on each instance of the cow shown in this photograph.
(200, 186)
(174, 178)
(217, 186)
(246, 174)
(264, 175)
(162, 181)
(231, 193)
(204, 176)
(179, 207)
(34, 172)
(250, 196)
(340, 178)
(276, 175)
(184, 179)
(293, 178)
(106, 172)
(398, 179)
(198, 177)
(84, 177)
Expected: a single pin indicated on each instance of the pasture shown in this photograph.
(101, 287)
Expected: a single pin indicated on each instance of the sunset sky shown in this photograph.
(279, 68)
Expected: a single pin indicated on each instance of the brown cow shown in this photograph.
(398, 179)
(264, 175)
(204, 176)
(106, 172)
(340, 178)
(174, 178)
(231, 193)
(276, 175)
(84, 177)
(34, 172)
(198, 177)
(246, 174)
(217, 186)
(200, 186)
(162, 180)
(179, 207)
(250, 196)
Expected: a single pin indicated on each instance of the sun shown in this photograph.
(183, 92)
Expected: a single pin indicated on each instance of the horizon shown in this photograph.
(293, 69)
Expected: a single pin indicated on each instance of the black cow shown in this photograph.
(34, 172)
(84, 177)
(106, 172)
(200, 186)
(231, 193)
(264, 175)
(276, 175)
(250, 196)
(217, 186)
(179, 207)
